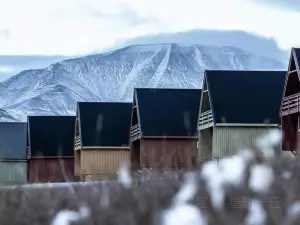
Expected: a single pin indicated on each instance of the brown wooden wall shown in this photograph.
(290, 133)
(168, 153)
(77, 154)
(50, 170)
(101, 161)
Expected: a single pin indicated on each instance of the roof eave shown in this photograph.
(245, 125)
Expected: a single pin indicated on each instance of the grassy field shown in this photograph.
(143, 203)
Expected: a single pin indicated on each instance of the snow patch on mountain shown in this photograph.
(112, 76)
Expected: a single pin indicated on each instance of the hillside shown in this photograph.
(112, 76)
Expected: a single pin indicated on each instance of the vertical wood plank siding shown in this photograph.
(102, 161)
(13, 172)
(205, 140)
(168, 153)
(77, 162)
(51, 170)
(227, 140)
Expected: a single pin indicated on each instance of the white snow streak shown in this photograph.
(155, 80)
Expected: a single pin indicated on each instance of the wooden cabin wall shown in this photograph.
(168, 153)
(205, 144)
(135, 152)
(13, 172)
(77, 165)
(100, 177)
(227, 140)
(102, 161)
(50, 169)
(290, 133)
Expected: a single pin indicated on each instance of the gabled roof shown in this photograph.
(51, 136)
(296, 55)
(104, 123)
(13, 140)
(168, 112)
(245, 97)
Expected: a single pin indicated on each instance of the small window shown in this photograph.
(299, 123)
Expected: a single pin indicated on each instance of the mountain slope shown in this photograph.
(112, 76)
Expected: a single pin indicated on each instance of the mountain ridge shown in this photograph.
(111, 76)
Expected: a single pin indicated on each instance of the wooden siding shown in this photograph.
(100, 177)
(205, 140)
(13, 172)
(50, 170)
(77, 162)
(102, 161)
(227, 140)
(290, 133)
(159, 153)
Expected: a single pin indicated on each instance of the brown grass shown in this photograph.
(142, 203)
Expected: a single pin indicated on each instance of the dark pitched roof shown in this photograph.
(104, 123)
(12, 140)
(51, 136)
(296, 54)
(248, 97)
(168, 112)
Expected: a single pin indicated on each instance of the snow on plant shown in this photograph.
(124, 176)
(256, 215)
(65, 217)
(181, 212)
(218, 174)
(268, 142)
(261, 178)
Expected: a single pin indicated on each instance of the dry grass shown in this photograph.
(142, 203)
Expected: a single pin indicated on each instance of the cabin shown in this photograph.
(237, 108)
(12, 153)
(101, 138)
(163, 130)
(290, 105)
(50, 155)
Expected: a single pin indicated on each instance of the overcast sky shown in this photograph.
(74, 27)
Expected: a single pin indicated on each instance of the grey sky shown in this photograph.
(76, 27)
(292, 5)
(4, 33)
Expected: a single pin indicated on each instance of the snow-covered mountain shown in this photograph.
(112, 76)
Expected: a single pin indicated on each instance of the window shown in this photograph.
(299, 123)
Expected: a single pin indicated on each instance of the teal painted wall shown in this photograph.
(13, 172)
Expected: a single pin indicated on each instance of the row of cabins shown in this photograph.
(173, 128)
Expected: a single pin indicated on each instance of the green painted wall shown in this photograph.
(13, 172)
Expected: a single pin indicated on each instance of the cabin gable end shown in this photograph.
(77, 134)
(135, 128)
(205, 119)
(291, 91)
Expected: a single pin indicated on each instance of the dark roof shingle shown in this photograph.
(51, 136)
(105, 123)
(13, 140)
(168, 112)
(246, 97)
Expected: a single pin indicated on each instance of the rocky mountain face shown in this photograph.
(112, 76)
